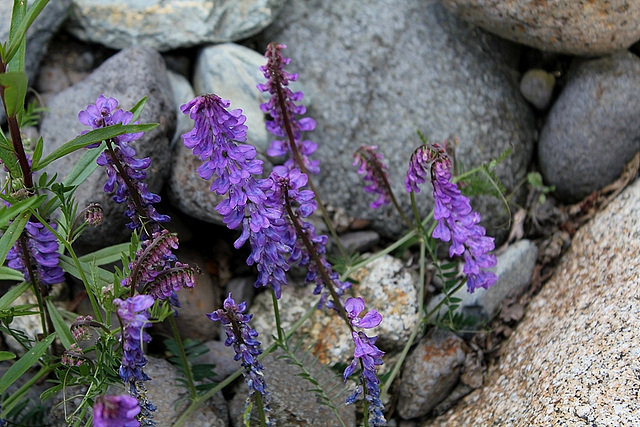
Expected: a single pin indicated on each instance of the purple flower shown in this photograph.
(368, 356)
(116, 411)
(42, 249)
(456, 220)
(243, 340)
(289, 194)
(123, 168)
(213, 140)
(135, 318)
(375, 174)
(283, 110)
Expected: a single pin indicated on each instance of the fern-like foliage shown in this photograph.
(202, 373)
(326, 385)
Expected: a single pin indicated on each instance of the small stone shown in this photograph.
(537, 87)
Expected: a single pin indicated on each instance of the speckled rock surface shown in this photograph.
(574, 359)
(430, 372)
(592, 130)
(163, 25)
(384, 285)
(572, 27)
(379, 70)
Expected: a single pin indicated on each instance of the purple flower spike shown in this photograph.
(456, 220)
(42, 247)
(368, 356)
(116, 411)
(375, 174)
(283, 110)
(242, 338)
(120, 157)
(135, 318)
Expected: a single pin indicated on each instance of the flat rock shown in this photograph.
(592, 130)
(573, 360)
(378, 73)
(165, 25)
(570, 27)
(145, 76)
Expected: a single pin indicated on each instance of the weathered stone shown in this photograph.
(169, 25)
(537, 87)
(573, 360)
(571, 27)
(290, 398)
(128, 76)
(379, 70)
(430, 372)
(592, 130)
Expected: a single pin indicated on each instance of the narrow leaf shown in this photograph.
(7, 214)
(91, 137)
(64, 333)
(13, 294)
(106, 255)
(12, 234)
(5, 355)
(67, 264)
(20, 32)
(7, 273)
(37, 152)
(27, 361)
(137, 109)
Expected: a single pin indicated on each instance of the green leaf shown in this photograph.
(137, 109)
(27, 361)
(8, 157)
(68, 265)
(85, 167)
(106, 255)
(13, 294)
(64, 333)
(7, 214)
(37, 152)
(91, 137)
(7, 273)
(17, 16)
(11, 235)
(17, 36)
(5, 355)
(15, 90)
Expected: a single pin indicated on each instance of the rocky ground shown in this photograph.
(563, 98)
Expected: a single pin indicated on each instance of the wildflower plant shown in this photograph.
(269, 209)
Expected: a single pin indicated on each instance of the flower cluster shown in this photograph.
(122, 167)
(135, 318)
(368, 356)
(156, 270)
(42, 250)
(116, 411)
(73, 356)
(214, 140)
(242, 338)
(288, 192)
(456, 220)
(375, 174)
(283, 110)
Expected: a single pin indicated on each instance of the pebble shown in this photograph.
(592, 130)
(537, 87)
(592, 28)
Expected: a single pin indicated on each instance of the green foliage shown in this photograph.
(535, 181)
(203, 373)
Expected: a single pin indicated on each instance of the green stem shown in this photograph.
(276, 312)
(260, 405)
(183, 356)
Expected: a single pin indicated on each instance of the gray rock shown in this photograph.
(592, 131)
(384, 285)
(221, 356)
(169, 397)
(359, 241)
(430, 372)
(514, 270)
(169, 25)
(291, 401)
(127, 76)
(182, 93)
(537, 87)
(576, 28)
(377, 71)
(574, 358)
(38, 36)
